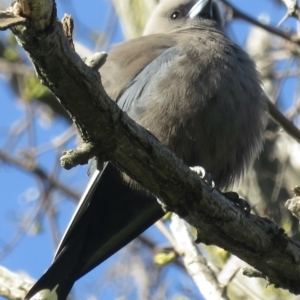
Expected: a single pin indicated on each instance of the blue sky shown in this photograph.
(18, 190)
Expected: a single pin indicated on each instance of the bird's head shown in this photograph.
(170, 15)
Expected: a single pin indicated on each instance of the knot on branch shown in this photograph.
(293, 205)
(95, 61)
(252, 273)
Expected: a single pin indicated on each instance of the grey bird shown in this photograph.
(199, 94)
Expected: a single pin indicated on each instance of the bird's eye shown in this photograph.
(175, 15)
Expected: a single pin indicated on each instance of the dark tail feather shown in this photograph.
(55, 284)
(110, 216)
(118, 214)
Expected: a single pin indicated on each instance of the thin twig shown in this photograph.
(235, 13)
(285, 123)
(39, 172)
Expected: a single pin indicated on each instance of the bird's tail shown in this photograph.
(109, 216)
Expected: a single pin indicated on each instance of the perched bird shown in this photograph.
(199, 94)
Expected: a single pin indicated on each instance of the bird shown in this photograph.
(199, 94)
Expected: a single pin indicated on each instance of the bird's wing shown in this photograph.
(136, 87)
(128, 59)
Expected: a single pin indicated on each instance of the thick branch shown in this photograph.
(103, 125)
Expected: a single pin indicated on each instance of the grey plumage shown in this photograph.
(199, 94)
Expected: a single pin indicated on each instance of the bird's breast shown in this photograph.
(206, 106)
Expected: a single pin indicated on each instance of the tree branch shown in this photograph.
(235, 13)
(14, 286)
(28, 166)
(196, 265)
(284, 122)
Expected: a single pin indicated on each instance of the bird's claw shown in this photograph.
(239, 202)
(208, 178)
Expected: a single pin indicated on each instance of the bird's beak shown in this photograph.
(202, 7)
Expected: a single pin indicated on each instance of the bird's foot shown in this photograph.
(239, 202)
(207, 177)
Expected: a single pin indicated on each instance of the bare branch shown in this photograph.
(285, 123)
(194, 262)
(40, 173)
(293, 10)
(235, 13)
